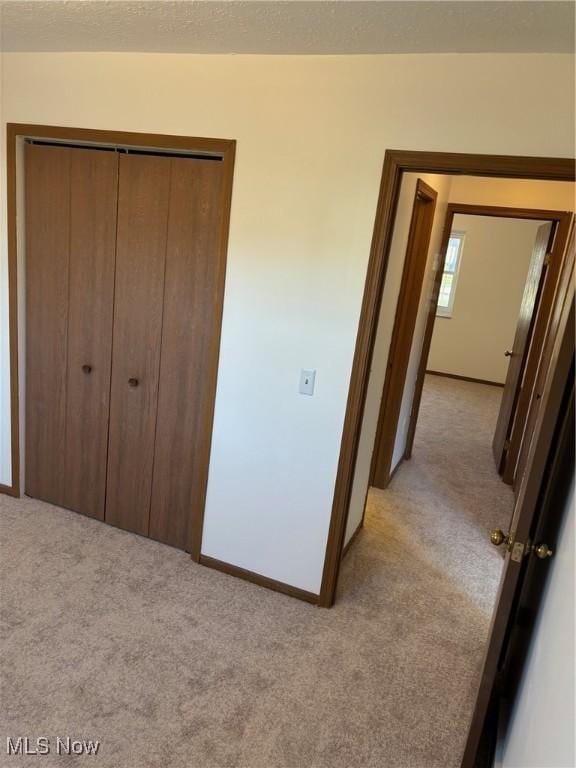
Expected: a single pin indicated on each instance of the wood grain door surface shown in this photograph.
(124, 275)
(190, 329)
(143, 203)
(93, 198)
(47, 266)
(70, 249)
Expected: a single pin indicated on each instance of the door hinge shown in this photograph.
(506, 445)
(547, 259)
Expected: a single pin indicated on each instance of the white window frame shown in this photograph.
(448, 311)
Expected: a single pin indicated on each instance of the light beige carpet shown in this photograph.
(114, 637)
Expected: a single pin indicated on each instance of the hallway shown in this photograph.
(423, 565)
(444, 501)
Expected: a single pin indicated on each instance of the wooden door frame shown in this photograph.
(403, 333)
(223, 148)
(561, 221)
(396, 163)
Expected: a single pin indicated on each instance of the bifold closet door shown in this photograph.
(70, 250)
(190, 336)
(47, 259)
(143, 202)
(166, 330)
(93, 200)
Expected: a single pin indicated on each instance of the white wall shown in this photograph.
(311, 134)
(541, 731)
(492, 277)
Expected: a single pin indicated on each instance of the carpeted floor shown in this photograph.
(114, 637)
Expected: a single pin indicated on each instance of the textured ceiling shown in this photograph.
(322, 27)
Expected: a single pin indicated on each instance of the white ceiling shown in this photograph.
(290, 27)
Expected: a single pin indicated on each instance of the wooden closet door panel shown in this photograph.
(190, 337)
(94, 186)
(143, 196)
(47, 256)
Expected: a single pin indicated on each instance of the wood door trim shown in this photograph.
(212, 372)
(256, 578)
(223, 148)
(353, 538)
(418, 244)
(397, 162)
(8, 490)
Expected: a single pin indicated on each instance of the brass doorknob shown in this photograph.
(542, 551)
(498, 537)
(87, 368)
(132, 382)
(508, 353)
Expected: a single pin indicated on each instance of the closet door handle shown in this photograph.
(132, 382)
(87, 368)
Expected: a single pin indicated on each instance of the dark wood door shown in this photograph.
(93, 193)
(190, 337)
(554, 272)
(47, 259)
(403, 332)
(562, 277)
(525, 521)
(143, 202)
(517, 355)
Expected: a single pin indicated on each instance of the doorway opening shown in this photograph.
(425, 549)
(491, 335)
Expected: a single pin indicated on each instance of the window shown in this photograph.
(450, 275)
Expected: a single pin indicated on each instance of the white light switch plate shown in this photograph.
(307, 379)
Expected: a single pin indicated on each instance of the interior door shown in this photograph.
(563, 274)
(143, 203)
(190, 340)
(558, 262)
(93, 192)
(558, 385)
(517, 355)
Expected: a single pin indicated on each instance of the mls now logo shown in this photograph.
(23, 745)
